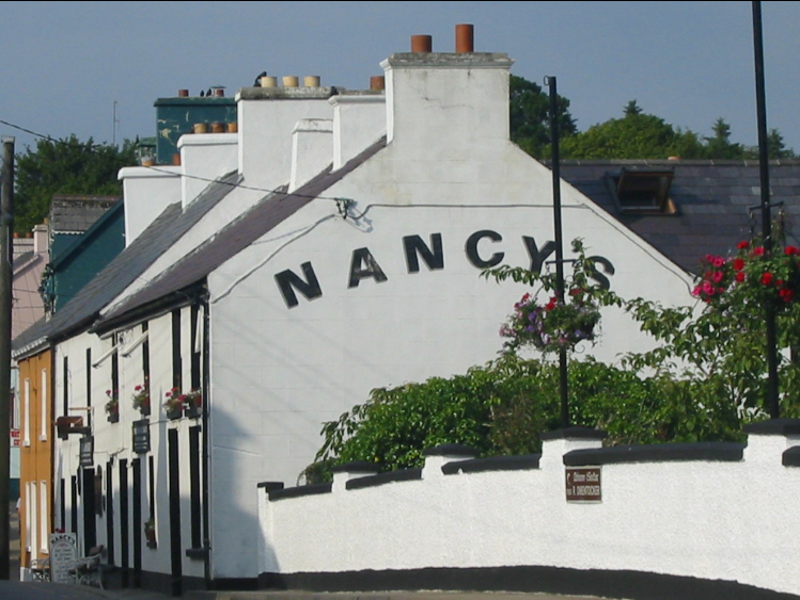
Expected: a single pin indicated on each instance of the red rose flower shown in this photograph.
(759, 251)
(738, 264)
(740, 276)
(743, 245)
(766, 278)
(790, 250)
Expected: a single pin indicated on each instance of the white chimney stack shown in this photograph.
(446, 102)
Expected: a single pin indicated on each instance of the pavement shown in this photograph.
(141, 594)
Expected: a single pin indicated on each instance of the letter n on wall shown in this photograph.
(288, 282)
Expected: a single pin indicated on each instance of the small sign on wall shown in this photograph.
(583, 484)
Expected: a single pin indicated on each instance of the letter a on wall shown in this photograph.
(364, 265)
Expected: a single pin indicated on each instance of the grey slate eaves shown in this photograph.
(234, 238)
(81, 312)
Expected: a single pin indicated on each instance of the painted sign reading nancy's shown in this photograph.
(363, 264)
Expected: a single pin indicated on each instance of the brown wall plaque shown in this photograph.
(583, 484)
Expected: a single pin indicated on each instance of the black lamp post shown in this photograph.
(766, 215)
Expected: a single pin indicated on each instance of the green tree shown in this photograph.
(66, 166)
(635, 135)
(530, 117)
(776, 149)
(719, 146)
(632, 109)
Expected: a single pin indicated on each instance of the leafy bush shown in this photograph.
(504, 406)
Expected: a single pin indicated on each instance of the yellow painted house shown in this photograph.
(36, 456)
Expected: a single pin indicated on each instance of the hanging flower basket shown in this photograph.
(173, 405)
(150, 532)
(112, 407)
(193, 404)
(552, 326)
(141, 399)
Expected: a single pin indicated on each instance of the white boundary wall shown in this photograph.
(727, 519)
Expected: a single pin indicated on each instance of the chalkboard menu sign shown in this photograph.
(63, 552)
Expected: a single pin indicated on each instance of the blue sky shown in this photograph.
(65, 64)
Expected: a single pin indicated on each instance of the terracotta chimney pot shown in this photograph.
(421, 43)
(465, 40)
(377, 82)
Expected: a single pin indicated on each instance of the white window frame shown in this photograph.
(133, 345)
(105, 356)
(43, 404)
(26, 440)
(33, 531)
(43, 542)
(28, 516)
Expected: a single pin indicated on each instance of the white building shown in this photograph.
(339, 250)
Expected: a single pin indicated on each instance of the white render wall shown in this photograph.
(278, 373)
(731, 521)
(113, 441)
(359, 119)
(311, 150)
(205, 157)
(148, 191)
(266, 119)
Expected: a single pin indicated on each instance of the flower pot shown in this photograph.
(145, 410)
(113, 417)
(193, 411)
(174, 413)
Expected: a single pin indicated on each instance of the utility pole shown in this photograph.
(114, 122)
(6, 256)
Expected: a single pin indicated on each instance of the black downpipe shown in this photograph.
(205, 462)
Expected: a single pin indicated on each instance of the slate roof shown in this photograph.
(75, 213)
(33, 339)
(80, 312)
(234, 238)
(712, 199)
(87, 235)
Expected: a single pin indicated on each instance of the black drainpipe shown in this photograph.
(203, 301)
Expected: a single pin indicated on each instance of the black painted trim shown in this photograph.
(270, 486)
(196, 553)
(235, 584)
(381, 478)
(451, 450)
(356, 466)
(716, 451)
(521, 462)
(791, 457)
(774, 427)
(303, 490)
(575, 433)
(634, 585)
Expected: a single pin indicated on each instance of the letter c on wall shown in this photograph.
(472, 249)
